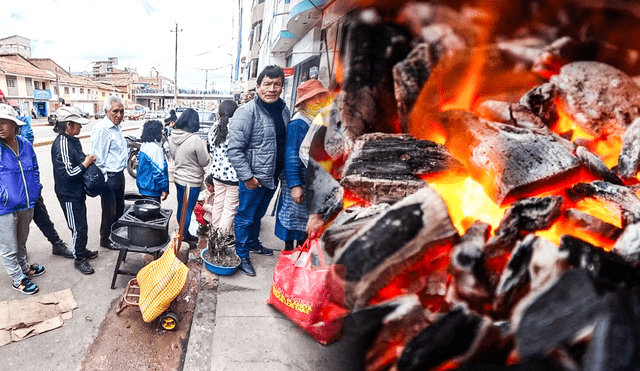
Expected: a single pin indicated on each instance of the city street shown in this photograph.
(64, 348)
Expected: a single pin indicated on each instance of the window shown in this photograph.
(12, 85)
(66, 90)
(81, 90)
(103, 94)
(73, 90)
(36, 84)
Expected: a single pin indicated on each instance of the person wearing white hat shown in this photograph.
(69, 165)
(19, 189)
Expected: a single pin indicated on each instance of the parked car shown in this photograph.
(207, 119)
(99, 115)
(83, 113)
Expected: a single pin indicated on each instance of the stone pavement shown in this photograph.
(234, 329)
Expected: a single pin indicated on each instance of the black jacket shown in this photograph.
(67, 157)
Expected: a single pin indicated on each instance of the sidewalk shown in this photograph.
(234, 329)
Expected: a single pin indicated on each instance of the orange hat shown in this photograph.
(310, 89)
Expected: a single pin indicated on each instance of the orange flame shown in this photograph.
(467, 94)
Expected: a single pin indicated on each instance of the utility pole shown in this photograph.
(204, 95)
(58, 85)
(175, 78)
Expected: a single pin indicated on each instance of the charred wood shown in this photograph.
(525, 50)
(409, 77)
(563, 51)
(384, 167)
(596, 166)
(629, 159)
(599, 98)
(398, 328)
(393, 242)
(515, 279)
(524, 216)
(466, 266)
(348, 223)
(459, 335)
(593, 225)
(511, 113)
(323, 194)
(623, 197)
(366, 101)
(534, 364)
(607, 270)
(541, 101)
(548, 319)
(547, 263)
(615, 344)
(628, 245)
(506, 160)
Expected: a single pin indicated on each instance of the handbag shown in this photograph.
(93, 180)
(310, 296)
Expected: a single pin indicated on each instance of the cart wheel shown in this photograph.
(168, 321)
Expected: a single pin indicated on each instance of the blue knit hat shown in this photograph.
(188, 121)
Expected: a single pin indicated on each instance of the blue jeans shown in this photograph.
(252, 206)
(193, 199)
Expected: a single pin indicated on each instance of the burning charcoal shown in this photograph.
(547, 263)
(392, 243)
(593, 225)
(383, 167)
(615, 341)
(525, 215)
(504, 159)
(366, 101)
(562, 51)
(456, 335)
(606, 269)
(629, 159)
(398, 328)
(347, 223)
(525, 51)
(623, 197)
(409, 77)
(541, 101)
(466, 266)
(600, 99)
(596, 166)
(514, 282)
(628, 245)
(515, 114)
(545, 320)
(323, 194)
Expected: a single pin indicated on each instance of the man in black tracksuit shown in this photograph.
(69, 164)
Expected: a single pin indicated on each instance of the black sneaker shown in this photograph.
(83, 266)
(35, 270)
(61, 249)
(246, 267)
(26, 287)
(89, 254)
(262, 250)
(110, 245)
(203, 229)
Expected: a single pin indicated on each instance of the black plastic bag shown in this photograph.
(93, 180)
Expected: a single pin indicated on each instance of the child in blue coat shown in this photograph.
(153, 172)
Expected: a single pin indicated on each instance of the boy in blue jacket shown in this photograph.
(19, 189)
(153, 172)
